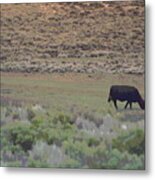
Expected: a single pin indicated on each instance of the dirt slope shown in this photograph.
(73, 37)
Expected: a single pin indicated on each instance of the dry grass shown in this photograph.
(111, 35)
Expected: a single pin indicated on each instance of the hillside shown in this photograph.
(73, 37)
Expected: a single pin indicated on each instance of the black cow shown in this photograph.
(126, 93)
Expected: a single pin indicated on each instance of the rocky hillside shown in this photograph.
(79, 37)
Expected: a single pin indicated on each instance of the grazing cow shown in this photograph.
(126, 93)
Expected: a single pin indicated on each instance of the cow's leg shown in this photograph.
(126, 105)
(130, 105)
(109, 99)
(115, 104)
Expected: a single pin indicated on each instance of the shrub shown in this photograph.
(11, 155)
(93, 142)
(99, 157)
(63, 119)
(118, 160)
(16, 116)
(44, 155)
(59, 134)
(8, 111)
(20, 134)
(70, 163)
(79, 151)
(54, 130)
(37, 164)
(38, 122)
(11, 164)
(56, 142)
(30, 114)
(133, 142)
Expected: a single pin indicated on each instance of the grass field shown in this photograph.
(63, 92)
(68, 117)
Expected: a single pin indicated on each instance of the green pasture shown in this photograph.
(70, 92)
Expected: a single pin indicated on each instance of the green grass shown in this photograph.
(69, 91)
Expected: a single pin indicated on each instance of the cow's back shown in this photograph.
(122, 93)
